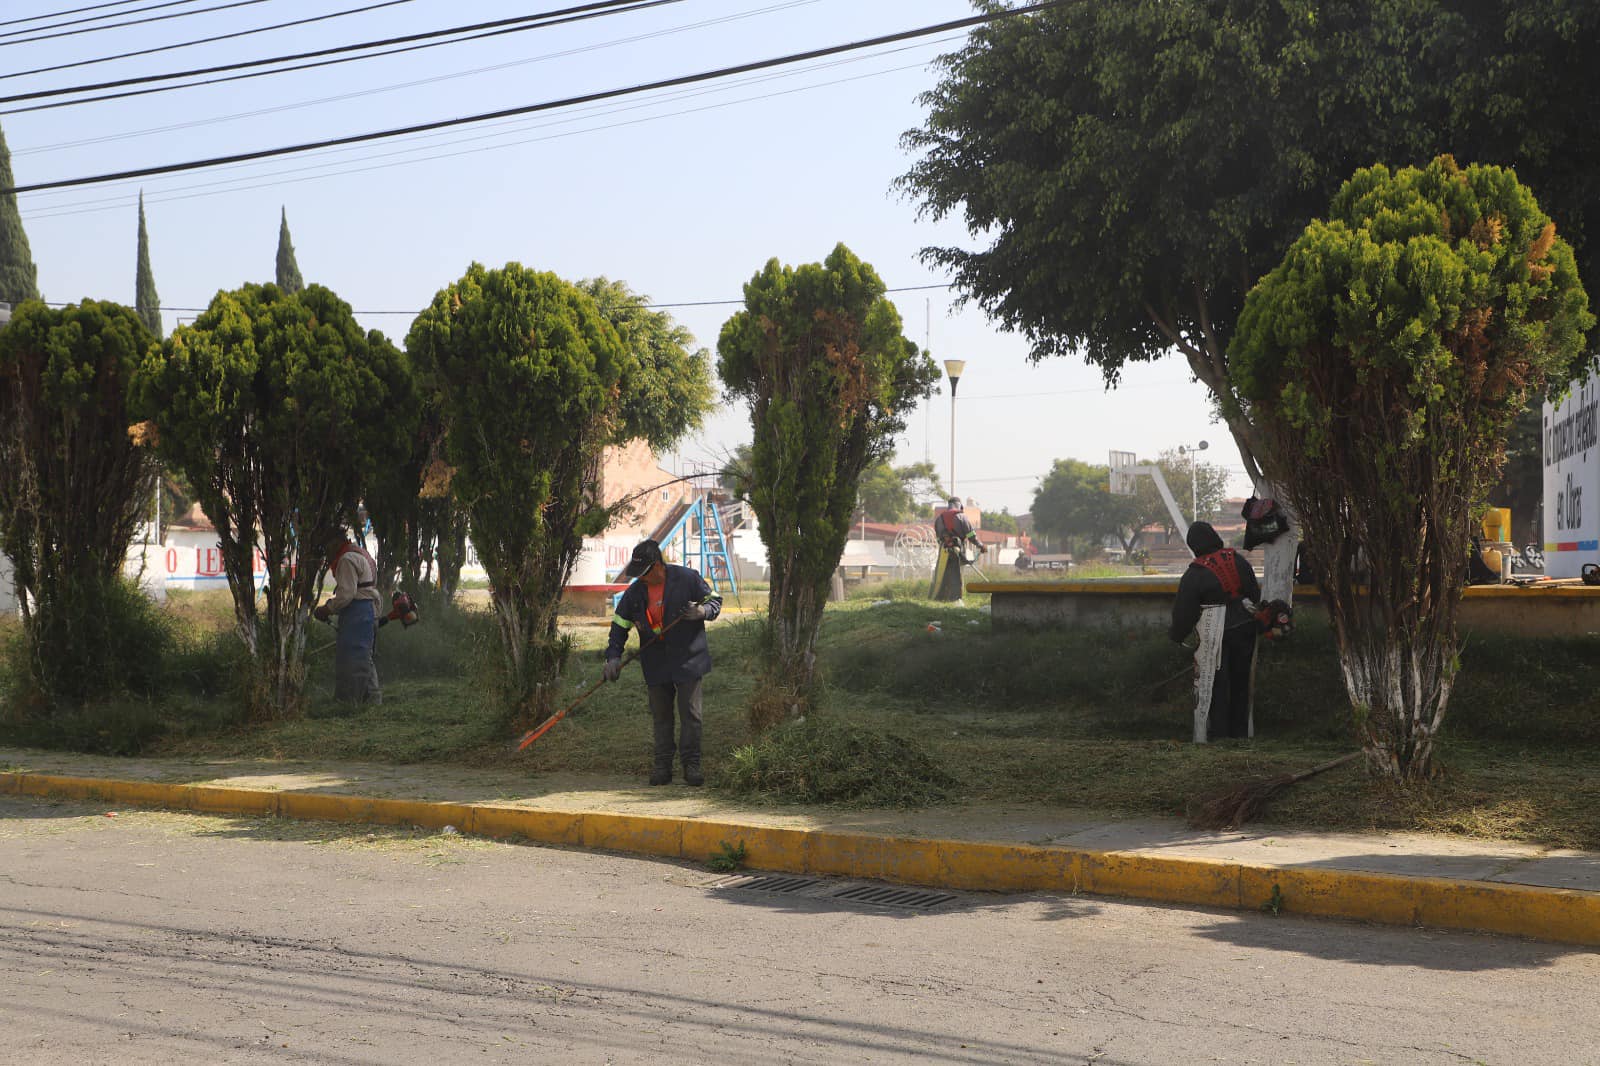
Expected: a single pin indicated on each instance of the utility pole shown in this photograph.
(927, 413)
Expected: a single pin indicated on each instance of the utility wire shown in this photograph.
(166, 195)
(638, 6)
(657, 307)
(518, 22)
(203, 40)
(377, 90)
(550, 105)
(80, 10)
(121, 25)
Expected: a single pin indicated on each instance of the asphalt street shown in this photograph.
(169, 938)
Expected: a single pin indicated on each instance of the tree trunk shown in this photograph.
(1399, 689)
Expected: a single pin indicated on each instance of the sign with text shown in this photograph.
(1572, 480)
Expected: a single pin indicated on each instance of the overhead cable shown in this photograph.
(203, 40)
(122, 25)
(508, 25)
(124, 135)
(549, 105)
(79, 10)
(248, 182)
(692, 303)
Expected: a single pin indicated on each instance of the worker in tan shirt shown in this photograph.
(355, 600)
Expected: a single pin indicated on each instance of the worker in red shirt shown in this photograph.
(674, 659)
(1220, 576)
(954, 533)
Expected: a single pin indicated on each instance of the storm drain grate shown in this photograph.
(784, 885)
(880, 896)
(844, 892)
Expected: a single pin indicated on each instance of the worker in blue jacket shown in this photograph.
(670, 605)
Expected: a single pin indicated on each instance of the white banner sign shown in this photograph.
(1572, 481)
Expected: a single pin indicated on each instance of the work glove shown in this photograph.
(612, 670)
(320, 612)
(695, 612)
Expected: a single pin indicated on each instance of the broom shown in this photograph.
(1234, 806)
(540, 730)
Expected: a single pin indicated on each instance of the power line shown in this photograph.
(80, 10)
(121, 25)
(203, 40)
(516, 24)
(217, 119)
(687, 79)
(657, 307)
(164, 196)
(638, 6)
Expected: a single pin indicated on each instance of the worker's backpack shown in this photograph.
(1264, 522)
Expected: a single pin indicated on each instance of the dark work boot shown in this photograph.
(660, 776)
(692, 774)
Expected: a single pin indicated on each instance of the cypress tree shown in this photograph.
(19, 278)
(289, 279)
(145, 300)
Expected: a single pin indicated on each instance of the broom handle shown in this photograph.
(1329, 765)
(544, 727)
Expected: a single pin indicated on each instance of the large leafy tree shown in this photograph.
(533, 382)
(667, 391)
(275, 407)
(19, 278)
(1132, 168)
(72, 483)
(1074, 503)
(145, 299)
(819, 356)
(1384, 360)
(892, 493)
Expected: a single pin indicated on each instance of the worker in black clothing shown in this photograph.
(1221, 575)
(663, 594)
(954, 533)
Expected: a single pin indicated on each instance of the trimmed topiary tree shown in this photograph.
(527, 374)
(532, 382)
(818, 355)
(73, 487)
(276, 408)
(1385, 359)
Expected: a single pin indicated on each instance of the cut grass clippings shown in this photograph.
(1058, 717)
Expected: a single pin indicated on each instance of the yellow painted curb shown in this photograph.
(1561, 915)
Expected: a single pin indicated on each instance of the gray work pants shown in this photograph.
(686, 696)
(355, 675)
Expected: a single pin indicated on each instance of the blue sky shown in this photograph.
(683, 196)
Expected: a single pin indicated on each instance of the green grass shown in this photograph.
(1097, 719)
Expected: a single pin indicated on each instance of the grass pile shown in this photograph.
(823, 759)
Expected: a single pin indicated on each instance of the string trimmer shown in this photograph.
(402, 609)
(544, 727)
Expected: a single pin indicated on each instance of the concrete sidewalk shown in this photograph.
(1395, 878)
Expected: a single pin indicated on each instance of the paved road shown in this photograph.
(166, 938)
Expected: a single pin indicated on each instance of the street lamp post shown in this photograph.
(1194, 482)
(953, 367)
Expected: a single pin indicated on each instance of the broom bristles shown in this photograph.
(1233, 807)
